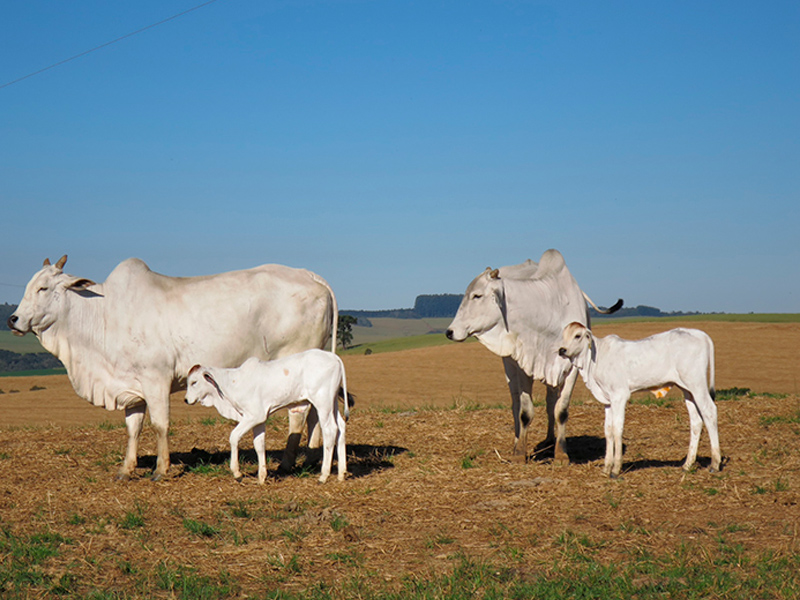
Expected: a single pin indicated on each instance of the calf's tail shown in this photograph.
(346, 397)
(711, 383)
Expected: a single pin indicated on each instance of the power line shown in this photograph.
(66, 60)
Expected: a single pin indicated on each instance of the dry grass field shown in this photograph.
(433, 507)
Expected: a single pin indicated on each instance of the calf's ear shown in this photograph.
(192, 370)
(210, 379)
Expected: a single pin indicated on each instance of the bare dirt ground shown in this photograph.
(430, 483)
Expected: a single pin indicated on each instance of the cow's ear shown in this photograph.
(80, 284)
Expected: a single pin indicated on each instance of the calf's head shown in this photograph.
(45, 298)
(575, 339)
(201, 387)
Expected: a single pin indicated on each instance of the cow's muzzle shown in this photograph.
(562, 352)
(448, 334)
(12, 322)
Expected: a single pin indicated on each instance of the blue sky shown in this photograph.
(399, 148)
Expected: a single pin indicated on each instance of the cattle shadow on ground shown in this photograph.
(362, 460)
(582, 449)
(703, 463)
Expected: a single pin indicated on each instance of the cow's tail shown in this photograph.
(603, 311)
(334, 308)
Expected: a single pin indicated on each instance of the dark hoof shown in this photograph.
(123, 476)
(157, 477)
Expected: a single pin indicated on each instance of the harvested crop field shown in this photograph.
(433, 507)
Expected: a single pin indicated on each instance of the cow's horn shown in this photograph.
(495, 274)
(61, 262)
(46, 262)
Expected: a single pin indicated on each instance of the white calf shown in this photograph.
(250, 393)
(613, 368)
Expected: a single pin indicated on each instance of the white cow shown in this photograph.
(128, 342)
(251, 393)
(518, 312)
(613, 368)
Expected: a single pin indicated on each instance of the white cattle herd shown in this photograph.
(251, 342)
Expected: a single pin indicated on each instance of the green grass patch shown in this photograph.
(717, 317)
(34, 373)
(25, 344)
(411, 342)
(200, 528)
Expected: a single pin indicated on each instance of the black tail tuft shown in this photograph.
(351, 399)
(616, 307)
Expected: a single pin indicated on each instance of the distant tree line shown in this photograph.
(431, 306)
(426, 306)
(6, 310)
(11, 362)
(640, 311)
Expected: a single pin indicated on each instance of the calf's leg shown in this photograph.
(327, 422)
(245, 425)
(341, 448)
(617, 427)
(259, 445)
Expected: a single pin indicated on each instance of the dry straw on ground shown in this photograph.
(431, 484)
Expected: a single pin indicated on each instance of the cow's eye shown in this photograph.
(477, 296)
(43, 289)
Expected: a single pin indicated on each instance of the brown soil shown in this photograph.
(428, 444)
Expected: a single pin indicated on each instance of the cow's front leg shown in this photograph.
(557, 400)
(134, 419)
(158, 405)
(520, 386)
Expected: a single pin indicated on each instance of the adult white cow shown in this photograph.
(518, 312)
(129, 342)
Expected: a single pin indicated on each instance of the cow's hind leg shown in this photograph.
(297, 421)
(314, 447)
(134, 419)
